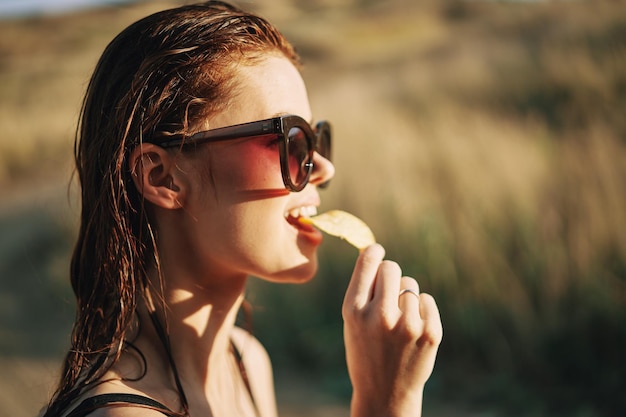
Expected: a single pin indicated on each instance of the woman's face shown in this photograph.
(238, 218)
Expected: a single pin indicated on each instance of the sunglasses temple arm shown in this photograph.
(263, 127)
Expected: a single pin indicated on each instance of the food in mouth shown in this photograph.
(343, 225)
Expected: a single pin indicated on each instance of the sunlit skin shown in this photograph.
(220, 217)
(233, 219)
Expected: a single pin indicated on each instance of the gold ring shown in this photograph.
(404, 291)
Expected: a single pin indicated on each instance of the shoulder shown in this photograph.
(258, 368)
(253, 355)
(249, 347)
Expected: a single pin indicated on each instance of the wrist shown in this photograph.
(407, 405)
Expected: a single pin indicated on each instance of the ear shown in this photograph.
(156, 176)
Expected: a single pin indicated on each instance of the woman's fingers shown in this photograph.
(378, 285)
(408, 298)
(360, 290)
(379, 282)
(387, 288)
(391, 336)
(433, 330)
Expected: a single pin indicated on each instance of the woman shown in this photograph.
(194, 173)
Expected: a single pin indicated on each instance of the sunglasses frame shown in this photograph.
(275, 126)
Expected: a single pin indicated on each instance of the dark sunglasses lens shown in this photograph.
(298, 156)
(323, 144)
(323, 140)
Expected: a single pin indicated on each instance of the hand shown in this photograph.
(391, 340)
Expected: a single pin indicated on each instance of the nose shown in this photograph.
(323, 170)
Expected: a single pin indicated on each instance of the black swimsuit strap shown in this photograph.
(105, 400)
(244, 375)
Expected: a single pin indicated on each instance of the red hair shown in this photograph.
(161, 76)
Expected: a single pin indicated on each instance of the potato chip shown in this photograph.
(343, 225)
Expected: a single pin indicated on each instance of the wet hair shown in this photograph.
(161, 76)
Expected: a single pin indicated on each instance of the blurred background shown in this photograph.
(483, 141)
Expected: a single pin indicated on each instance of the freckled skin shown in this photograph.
(235, 224)
(220, 217)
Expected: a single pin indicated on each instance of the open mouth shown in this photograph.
(293, 216)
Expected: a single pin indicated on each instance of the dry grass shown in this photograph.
(484, 143)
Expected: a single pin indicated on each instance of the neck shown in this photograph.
(198, 320)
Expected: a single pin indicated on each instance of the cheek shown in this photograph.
(260, 167)
(246, 168)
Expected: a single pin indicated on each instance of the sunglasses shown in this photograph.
(297, 143)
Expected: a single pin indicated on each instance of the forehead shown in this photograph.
(271, 86)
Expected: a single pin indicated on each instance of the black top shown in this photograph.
(120, 400)
(112, 400)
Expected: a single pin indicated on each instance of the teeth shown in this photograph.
(305, 211)
(308, 211)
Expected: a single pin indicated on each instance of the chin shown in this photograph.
(298, 274)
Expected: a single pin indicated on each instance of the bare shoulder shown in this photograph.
(249, 346)
(258, 369)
